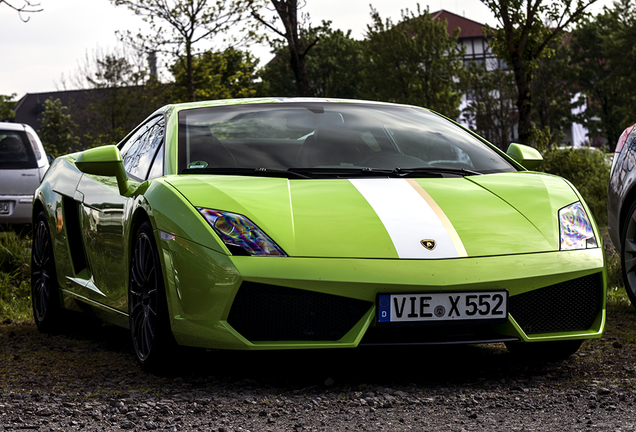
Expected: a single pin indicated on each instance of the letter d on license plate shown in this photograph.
(443, 306)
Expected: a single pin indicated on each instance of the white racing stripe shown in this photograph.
(410, 215)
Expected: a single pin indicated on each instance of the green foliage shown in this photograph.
(333, 64)
(552, 89)
(491, 98)
(588, 170)
(278, 78)
(527, 30)
(413, 62)
(123, 94)
(218, 75)
(178, 26)
(544, 139)
(6, 107)
(15, 288)
(603, 62)
(57, 130)
(523, 36)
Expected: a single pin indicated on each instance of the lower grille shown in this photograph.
(568, 306)
(271, 313)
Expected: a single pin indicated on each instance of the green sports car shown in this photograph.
(315, 223)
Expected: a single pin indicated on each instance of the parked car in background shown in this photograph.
(23, 163)
(621, 207)
(259, 224)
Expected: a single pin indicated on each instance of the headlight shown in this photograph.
(237, 231)
(576, 228)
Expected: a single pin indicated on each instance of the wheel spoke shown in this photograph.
(629, 265)
(630, 246)
(143, 296)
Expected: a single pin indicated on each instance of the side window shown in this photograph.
(139, 151)
(156, 170)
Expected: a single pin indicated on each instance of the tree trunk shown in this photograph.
(524, 100)
(288, 12)
(189, 71)
(297, 63)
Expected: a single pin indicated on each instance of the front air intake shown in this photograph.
(567, 306)
(272, 313)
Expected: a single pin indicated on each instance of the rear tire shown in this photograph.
(45, 294)
(628, 254)
(150, 330)
(551, 351)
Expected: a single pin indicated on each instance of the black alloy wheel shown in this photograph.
(147, 307)
(45, 296)
(628, 254)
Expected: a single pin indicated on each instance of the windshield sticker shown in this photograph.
(198, 164)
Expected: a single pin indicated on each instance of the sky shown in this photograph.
(45, 53)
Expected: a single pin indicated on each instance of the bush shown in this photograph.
(588, 170)
(15, 282)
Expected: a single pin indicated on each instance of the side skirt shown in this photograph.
(80, 303)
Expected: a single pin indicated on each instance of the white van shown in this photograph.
(23, 163)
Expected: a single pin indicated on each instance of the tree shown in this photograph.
(334, 65)
(57, 130)
(124, 92)
(623, 56)
(603, 59)
(527, 29)
(490, 104)
(26, 7)
(552, 91)
(189, 22)
(414, 62)
(6, 107)
(298, 47)
(218, 75)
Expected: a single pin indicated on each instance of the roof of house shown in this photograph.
(468, 28)
(30, 106)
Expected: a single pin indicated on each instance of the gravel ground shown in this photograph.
(86, 378)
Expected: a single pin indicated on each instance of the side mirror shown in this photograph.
(528, 157)
(104, 161)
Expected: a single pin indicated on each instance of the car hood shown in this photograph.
(485, 215)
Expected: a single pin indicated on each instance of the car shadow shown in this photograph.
(90, 350)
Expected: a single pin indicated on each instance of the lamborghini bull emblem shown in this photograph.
(428, 244)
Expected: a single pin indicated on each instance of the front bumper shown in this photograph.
(217, 301)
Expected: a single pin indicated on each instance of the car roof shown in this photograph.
(265, 100)
(12, 126)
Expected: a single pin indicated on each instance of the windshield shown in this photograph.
(329, 139)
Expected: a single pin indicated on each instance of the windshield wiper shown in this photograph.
(258, 172)
(348, 172)
(406, 172)
(340, 172)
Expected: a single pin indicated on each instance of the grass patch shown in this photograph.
(616, 294)
(15, 277)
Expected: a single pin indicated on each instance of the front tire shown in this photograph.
(45, 295)
(150, 331)
(628, 254)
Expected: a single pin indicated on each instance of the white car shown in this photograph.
(23, 163)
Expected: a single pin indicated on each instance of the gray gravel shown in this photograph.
(87, 380)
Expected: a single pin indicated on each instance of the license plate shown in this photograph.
(443, 306)
(5, 207)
